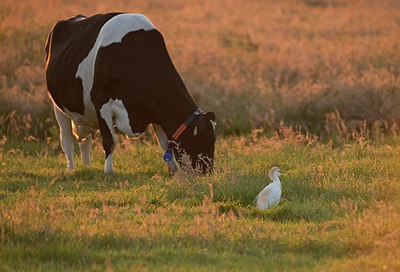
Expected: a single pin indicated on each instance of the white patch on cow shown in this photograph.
(107, 114)
(213, 124)
(122, 119)
(79, 17)
(116, 110)
(112, 32)
(114, 113)
(108, 167)
(117, 27)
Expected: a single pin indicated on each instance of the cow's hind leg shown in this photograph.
(66, 136)
(109, 139)
(85, 150)
(163, 141)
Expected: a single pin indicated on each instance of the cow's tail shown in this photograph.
(47, 46)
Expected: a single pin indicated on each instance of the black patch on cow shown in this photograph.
(67, 45)
(139, 71)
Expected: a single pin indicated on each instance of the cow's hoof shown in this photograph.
(86, 164)
(171, 173)
(109, 171)
(172, 168)
(70, 168)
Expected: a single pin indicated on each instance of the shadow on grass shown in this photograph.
(63, 250)
(80, 179)
(295, 212)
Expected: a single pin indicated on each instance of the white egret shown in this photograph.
(271, 194)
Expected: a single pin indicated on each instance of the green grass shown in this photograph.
(340, 209)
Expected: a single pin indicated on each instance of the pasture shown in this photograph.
(310, 86)
(340, 209)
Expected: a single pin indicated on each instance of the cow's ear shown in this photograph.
(199, 125)
(202, 121)
(210, 115)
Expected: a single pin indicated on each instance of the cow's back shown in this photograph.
(69, 42)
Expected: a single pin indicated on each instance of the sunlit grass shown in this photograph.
(339, 208)
(254, 63)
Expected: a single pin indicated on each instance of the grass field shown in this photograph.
(311, 86)
(340, 209)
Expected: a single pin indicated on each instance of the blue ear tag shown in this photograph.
(168, 155)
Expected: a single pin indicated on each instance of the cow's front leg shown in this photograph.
(85, 150)
(66, 137)
(163, 141)
(108, 135)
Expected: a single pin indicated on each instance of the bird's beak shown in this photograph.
(281, 172)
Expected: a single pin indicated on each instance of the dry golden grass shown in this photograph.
(255, 63)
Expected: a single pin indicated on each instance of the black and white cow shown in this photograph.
(114, 70)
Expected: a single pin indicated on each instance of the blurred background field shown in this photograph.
(326, 67)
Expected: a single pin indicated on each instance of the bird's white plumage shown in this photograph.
(270, 195)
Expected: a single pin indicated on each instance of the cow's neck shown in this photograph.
(175, 113)
(178, 105)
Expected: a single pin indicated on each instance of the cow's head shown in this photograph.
(197, 141)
